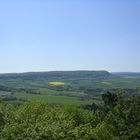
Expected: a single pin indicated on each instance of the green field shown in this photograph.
(52, 99)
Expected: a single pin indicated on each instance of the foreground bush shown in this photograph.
(36, 121)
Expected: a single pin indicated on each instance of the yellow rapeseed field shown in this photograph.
(56, 83)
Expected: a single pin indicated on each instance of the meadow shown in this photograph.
(52, 99)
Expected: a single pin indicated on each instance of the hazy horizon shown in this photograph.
(55, 35)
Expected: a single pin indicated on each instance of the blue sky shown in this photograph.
(44, 35)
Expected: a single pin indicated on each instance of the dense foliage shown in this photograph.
(117, 118)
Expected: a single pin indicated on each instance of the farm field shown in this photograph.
(57, 83)
(63, 100)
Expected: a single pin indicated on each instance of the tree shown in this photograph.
(109, 99)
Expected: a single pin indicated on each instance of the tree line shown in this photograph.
(116, 118)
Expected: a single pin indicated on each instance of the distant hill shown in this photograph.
(74, 80)
(127, 74)
(77, 85)
(56, 75)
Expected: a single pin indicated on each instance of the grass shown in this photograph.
(106, 83)
(46, 91)
(53, 99)
(56, 83)
(49, 91)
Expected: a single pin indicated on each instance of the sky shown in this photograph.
(46, 35)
